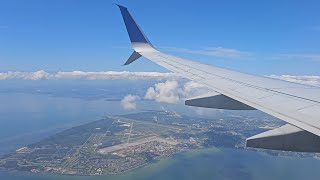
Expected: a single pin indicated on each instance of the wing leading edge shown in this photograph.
(297, 104)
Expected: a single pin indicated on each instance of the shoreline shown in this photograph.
(188, 153)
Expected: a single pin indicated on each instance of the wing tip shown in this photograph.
(133, 29)
(120, 6)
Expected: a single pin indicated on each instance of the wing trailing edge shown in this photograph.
(217, 101)
(286, 138)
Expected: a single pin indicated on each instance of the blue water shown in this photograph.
(218, 164)
(26, 118)
(29, 117)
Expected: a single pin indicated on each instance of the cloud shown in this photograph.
(167, 92)
(129, 102)
(238, 54)
(309, 80)
(314, 28)
(174, 91)
(309, 57)
(106, 75)
(214, 51)
(25, 75)
(207, 112)
(4, 27)
(183, 89)
(193, 89)
(114, 75)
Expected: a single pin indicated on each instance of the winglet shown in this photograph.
(135, 33)
(134, 56)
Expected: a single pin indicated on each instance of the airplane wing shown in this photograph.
(297, 104)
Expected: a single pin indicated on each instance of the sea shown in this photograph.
(28, 116)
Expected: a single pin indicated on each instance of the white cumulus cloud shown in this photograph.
(129, 102)
(192, 89)
(174, 91)
(167, 92)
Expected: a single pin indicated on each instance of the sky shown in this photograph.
(259, 37)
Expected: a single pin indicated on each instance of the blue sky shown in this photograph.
(261, 37)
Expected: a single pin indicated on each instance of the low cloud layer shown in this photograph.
(105, 75)
(114, 75)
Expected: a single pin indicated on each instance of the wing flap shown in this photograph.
(286, 138)
(217, 101)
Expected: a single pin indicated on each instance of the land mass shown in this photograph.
(116, 144)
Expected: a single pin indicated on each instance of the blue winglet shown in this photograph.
(134, 31)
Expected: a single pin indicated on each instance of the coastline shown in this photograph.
(201, 164)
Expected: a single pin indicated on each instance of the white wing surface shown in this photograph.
(297, 104)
